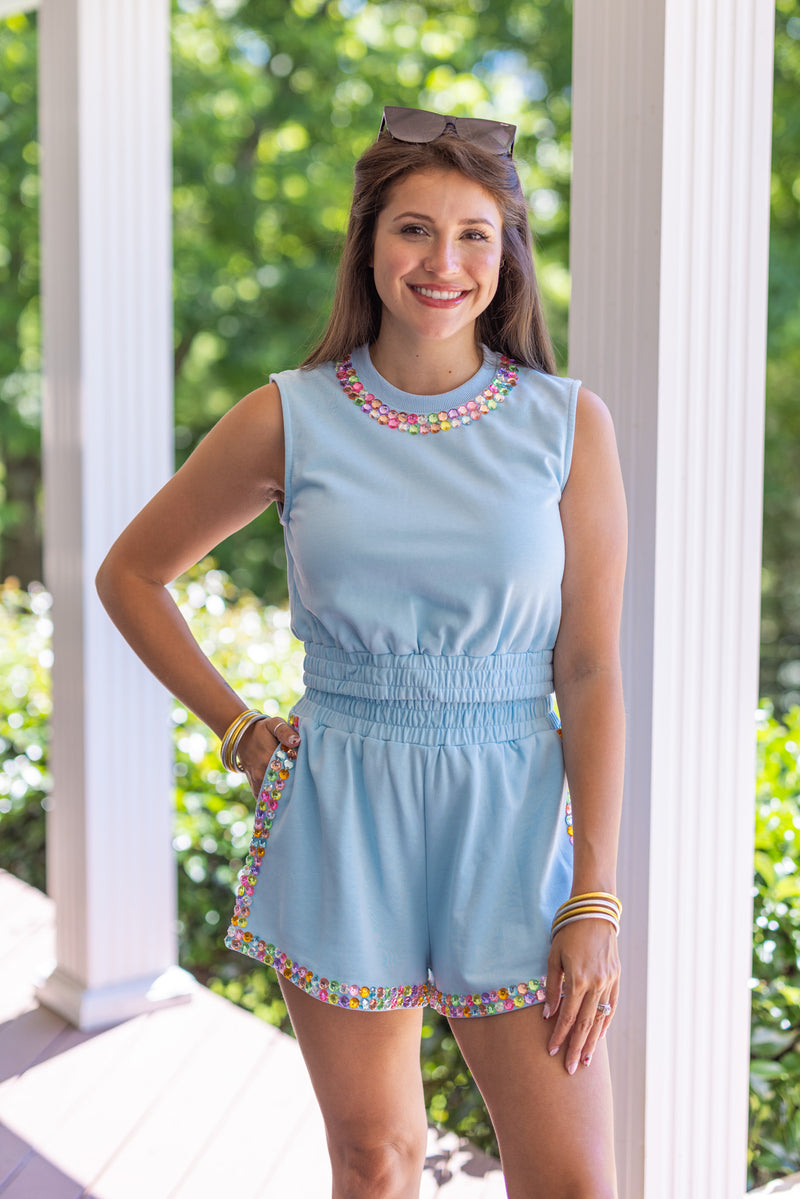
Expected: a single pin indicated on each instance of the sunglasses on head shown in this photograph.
(417, 125)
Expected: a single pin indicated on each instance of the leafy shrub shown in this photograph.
(252, 645)
(775, 1042)
(25, 784)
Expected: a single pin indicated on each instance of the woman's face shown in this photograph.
(436, 255)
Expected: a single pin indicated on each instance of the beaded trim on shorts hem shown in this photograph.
(489, 1003)
(345, 995)
(243, 940)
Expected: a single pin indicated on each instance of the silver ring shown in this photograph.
(604, 1009)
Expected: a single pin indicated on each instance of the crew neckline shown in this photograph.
(387, 393)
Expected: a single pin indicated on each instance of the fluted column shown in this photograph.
(670, 213)
(106, 251)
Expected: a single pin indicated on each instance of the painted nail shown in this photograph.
(587, 1061)
(554, 1051)
(546, 1013)
(572, 1067)
(293, 740)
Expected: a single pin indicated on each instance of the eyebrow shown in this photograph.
(421, 216)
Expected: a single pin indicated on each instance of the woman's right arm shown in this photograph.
(232, 476)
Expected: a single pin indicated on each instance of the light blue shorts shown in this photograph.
(415, 848)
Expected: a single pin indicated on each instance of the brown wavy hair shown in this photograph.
(512, 324)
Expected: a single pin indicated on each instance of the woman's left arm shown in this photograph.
(588, 686)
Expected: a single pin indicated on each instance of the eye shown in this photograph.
(414, 230)
(476, 235)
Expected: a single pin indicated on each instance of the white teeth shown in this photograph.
(433, 294)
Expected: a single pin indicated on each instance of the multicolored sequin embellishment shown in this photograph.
(433, 422)
(568, 810)
(489, 1003)
(278, 771)
(568, 820)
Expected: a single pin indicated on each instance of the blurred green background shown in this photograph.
(272, 102)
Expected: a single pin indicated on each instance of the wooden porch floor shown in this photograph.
(197, 1101)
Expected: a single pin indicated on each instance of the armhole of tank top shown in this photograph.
(288, 456)
(569, 438)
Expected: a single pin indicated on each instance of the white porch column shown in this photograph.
(670, 213)
(107, 317)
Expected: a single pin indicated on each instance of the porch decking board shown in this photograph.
(193, 1101)
(40, 1179)
(264, 1127)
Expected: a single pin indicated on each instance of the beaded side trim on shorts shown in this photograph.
(278, 771)
(240, 938)
(504, 381)
(568, 811)
(489, 1003)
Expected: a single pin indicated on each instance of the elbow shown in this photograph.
(104, 581)
(110, 579)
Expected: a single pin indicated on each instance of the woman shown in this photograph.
(413, 840)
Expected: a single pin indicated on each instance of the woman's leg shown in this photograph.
(555, 1130)
(365, 1070)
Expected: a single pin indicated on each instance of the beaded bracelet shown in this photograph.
(234, 734)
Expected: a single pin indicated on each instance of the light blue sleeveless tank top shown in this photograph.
(447, 544)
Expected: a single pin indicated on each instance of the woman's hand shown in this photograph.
(259, 744)
(584, 963)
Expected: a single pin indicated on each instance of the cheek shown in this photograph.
(490, 270)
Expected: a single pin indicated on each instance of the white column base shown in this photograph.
(93, 1008)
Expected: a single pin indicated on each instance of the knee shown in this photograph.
(569, 1184)
(373, 1168)
(595, 1187)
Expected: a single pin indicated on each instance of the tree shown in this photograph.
(273, 101)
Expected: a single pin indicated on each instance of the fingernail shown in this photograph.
(293, 740)
(553, 1052)
(587, 1061)
(546, 1012)
(572, 1067)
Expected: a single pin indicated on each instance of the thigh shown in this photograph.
(365, 1070)
(552, 1127)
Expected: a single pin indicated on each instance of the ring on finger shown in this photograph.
(604, 1009)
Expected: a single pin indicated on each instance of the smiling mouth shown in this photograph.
(436, 293)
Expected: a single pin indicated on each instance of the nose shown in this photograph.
(442, 258)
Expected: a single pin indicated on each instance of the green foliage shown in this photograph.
(20, 340)
(780, 589)
(25, 784)
(775, 1043)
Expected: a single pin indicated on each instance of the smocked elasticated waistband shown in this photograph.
(429, 699)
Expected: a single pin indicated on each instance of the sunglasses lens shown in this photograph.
(413, 124)
(494, 136)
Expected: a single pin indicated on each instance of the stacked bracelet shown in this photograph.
(593, 905)
(233, 736)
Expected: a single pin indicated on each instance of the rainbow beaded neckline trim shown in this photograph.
(433, 422)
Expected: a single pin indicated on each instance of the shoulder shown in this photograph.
(595, 471)
(259, 410)
(592, 419)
